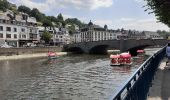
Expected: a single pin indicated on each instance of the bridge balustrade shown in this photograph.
(137, 86)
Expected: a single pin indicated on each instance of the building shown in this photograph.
(17, 30)
(96, 33)
(133, 34)
(76, 37)
(152, 35)
(60, 36)
(93, 33)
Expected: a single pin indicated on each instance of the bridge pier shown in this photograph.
(122, 45)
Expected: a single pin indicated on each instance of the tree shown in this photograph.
(163, 33)
(37, 14)
(47, 23)
(4, 5)
(46, 36)
(60, 17)
(75, 21)
(161, 9)
(24, 9)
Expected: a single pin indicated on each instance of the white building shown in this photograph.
(94, 33)
(60, 36)
(152, 35)
(17, 30)
(76, 37)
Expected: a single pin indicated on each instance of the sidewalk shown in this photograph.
(160, 89)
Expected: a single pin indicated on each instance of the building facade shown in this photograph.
(17, 30)
(93, 33)
(60, 36)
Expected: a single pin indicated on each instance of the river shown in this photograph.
(74, 77)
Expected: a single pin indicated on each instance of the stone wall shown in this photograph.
(19, 51)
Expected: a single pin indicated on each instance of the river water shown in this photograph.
(76, 77)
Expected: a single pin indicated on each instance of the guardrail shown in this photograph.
(137, 86)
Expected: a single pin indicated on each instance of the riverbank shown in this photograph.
(25, 56)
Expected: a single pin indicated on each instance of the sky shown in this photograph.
(127, 14)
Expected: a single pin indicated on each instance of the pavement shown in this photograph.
(160, 89)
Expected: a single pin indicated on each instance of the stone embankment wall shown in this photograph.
(33, 50)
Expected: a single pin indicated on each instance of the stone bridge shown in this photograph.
(100, 47)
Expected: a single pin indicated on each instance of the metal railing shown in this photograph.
(137, 86)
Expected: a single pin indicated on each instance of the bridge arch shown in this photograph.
(133, 50)
(76, 50)
(99, 49)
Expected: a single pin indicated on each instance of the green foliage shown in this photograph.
(161, 9)
(24, 9)
(75, 21)
(4, 5)
(14, 9)
(37, 14)
(163, 33)
(60, 17)
(46, 36)
(47, 23)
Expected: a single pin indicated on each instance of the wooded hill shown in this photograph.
(43, 20)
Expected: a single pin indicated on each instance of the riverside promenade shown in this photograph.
(160, 89)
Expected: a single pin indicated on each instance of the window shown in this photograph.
(4, 21)
(22, 29)
(8, 35)
(23, 36)
(30, 30)
(8, 29)
(1, 28)
(1, 21)
(1, 35)
(15, 36)
(15, 29)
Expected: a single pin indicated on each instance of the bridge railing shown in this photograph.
(137, 86)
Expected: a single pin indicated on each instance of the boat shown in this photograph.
(115, 59)
(121, 59)
(126, 58)
(140, 52)
(51, 55)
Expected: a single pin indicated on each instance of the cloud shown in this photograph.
(48, 5)
(142, 24)
(139, 1)
(126, 19)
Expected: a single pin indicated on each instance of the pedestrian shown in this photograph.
(168, 53)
